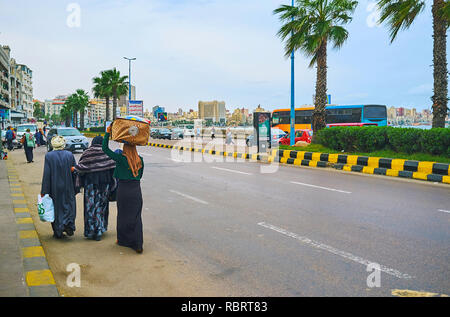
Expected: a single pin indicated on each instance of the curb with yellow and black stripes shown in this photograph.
(420, 170)
(38, 276)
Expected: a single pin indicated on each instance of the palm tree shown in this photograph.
(310, 27)
(118, 86)
(71, 108)
(81, 102)
(102, 89)
(400, 14)
(66, 113)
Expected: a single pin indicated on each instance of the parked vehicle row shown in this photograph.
(171, 134)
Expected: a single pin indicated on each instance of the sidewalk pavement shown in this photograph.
(24, 271)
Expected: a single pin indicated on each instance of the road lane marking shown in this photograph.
(321, 187)
(442, 210)
(189, 197)
(343, 254)
(232, 171)
(145, 154)
(411, 293)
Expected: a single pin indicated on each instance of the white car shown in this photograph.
(188, 133)
(22, 128)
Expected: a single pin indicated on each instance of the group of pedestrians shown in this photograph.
(105, 176)
(28, 141)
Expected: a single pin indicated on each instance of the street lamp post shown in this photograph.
(129, 79)
(292, 138)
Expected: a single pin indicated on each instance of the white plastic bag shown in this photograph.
(46, 209)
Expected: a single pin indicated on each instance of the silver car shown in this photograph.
(74, 139)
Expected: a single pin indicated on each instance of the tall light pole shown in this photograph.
(292, 134)
(129, 79)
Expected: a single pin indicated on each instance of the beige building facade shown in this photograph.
(212, 111)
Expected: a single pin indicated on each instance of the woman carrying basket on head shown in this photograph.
(129, 170)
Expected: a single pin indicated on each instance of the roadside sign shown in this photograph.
(262, 124)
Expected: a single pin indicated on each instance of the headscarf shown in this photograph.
(134, 161)
(98, 140)
(58, 143)
(94, 159)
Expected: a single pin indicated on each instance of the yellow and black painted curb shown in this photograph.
(38, 276)
(428, 171)
(420, 170)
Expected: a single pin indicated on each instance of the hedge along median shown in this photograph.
(371, 139)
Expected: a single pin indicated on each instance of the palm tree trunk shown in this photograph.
(114, 104)
(439, 66)
(319, 114)
(82, 120)
(107, 109)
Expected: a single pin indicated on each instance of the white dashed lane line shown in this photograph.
(343, 254)
(189, 197)
(324, 188)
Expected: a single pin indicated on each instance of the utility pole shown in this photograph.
(129, 80)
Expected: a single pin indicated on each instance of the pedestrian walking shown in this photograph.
(29, 144)
(9, 136)
(213, 133)
(58, 183)
(95, 170)
(129, 170)
(229, 138)
(43, 137)
(39, 138)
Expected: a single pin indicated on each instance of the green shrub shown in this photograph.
(401, 140)
(97, 129)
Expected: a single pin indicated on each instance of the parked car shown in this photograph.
(153, 133)
(300, 135)
(276, 133)
(74, 139)
(177, 134)
(22, 128)
(188, 133)
(16, 143)
(163, 134)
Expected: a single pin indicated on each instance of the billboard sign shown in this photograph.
(136, 108)
(162, 117)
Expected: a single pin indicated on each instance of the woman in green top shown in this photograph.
(129, 170)
(28, 145)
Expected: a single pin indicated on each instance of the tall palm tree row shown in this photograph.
(310, 27)
(74, 104)
(400, 14)
(81, 100)
(109, 85)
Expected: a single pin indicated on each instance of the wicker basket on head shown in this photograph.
(134, 131)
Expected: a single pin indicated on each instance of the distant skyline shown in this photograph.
(227, 50)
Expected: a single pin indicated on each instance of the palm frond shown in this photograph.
(399, 14)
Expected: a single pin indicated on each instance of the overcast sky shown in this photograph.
(227, 50)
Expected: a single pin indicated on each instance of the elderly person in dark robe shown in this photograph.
(95, 170)
(58, 183)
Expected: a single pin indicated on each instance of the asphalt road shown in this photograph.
(298, 231)
(217, 228)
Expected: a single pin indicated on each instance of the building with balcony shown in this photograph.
(27, 89)
(5, 98)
